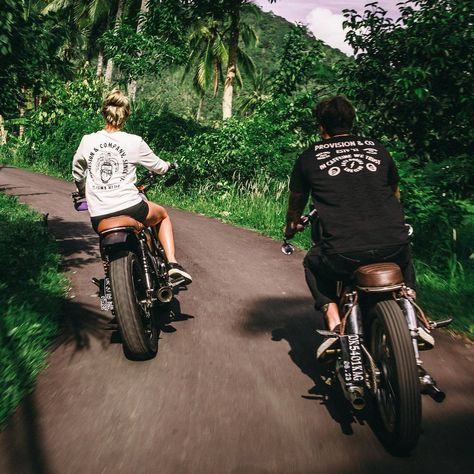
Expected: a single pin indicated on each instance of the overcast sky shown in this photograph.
(324, 17)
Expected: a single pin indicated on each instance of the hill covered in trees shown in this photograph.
(172, 89)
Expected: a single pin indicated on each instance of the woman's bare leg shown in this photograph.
(157, 216)
(165, 235)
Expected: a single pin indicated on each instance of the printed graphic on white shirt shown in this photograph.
(349, 157)
(108, 166)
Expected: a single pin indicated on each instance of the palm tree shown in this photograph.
(208, 57)
(132, 85)
(258, 94)
(88, 19)
(237, 32)
(118, 21)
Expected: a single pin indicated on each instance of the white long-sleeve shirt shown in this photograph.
(107, 162)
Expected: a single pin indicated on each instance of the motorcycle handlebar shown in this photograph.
(150, 176)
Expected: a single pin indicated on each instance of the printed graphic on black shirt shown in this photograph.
(352, 156)
(351, 180)
(107, 166)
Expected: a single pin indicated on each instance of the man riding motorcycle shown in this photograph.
(353, 182)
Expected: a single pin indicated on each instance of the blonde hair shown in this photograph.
(116, 108)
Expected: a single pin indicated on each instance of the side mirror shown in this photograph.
(287, 248)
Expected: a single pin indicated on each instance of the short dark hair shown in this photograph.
(335, 114)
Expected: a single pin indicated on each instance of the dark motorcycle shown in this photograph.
(377, 356)
(136, 287)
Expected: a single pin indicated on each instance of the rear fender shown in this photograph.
(114, 244)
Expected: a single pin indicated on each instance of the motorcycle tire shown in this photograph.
(398, 397)
(136, 324)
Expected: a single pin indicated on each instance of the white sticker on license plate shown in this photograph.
(106, 302)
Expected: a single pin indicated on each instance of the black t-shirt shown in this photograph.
(350, 179)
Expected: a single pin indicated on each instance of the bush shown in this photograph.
(31, 292)
(54, 131)
(266, 143)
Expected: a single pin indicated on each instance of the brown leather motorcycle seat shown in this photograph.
(378, 275)
(119, 221)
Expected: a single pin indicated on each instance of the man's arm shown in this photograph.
(299, 193)
(296, 205)
(396, 191)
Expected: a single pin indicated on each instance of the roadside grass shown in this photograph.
(450, 296)
(261, 206)
(31, 294)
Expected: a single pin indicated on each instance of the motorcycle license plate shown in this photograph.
(105, 293)
(352, 362)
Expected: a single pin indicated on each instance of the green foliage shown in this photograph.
(265, 143)
(159, 43)
(31, 292)
(299, 61)
(411, 81)
(30, 45)
(162, 129)
(55, 130)
(10, 11)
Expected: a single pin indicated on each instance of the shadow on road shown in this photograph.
(295, 320)
(77, 241)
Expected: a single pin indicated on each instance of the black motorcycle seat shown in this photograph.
(378, 275)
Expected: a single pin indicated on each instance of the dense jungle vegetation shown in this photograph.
(227, 91)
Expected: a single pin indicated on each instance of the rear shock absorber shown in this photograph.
(146, 266)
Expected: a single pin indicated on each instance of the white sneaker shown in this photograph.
(175, 270)
(324, 346)
(425, 337)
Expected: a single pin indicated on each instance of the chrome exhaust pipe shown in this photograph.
(428, 387)
(165, 294)
(356, 397)
(435, 393)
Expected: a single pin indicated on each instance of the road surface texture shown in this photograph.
(235, 387)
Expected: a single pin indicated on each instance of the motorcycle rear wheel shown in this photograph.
(398, 396)
(136, 324)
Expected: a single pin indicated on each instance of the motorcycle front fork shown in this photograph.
(412, 323)
(427, 383)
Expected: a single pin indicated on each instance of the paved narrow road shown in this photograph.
(234, 389)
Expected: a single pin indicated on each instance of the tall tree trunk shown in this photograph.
(3, 133)
(232, 64)
(100, 62)
(200, 107)
(21, 109)
(132, 85)
(110, 62)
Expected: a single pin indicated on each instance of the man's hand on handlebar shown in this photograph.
(291, 229)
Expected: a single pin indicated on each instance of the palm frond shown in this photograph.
(57, 5)
(248, 35)
(245, 62)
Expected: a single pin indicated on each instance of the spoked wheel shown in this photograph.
(134, 316)
(398, 396)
